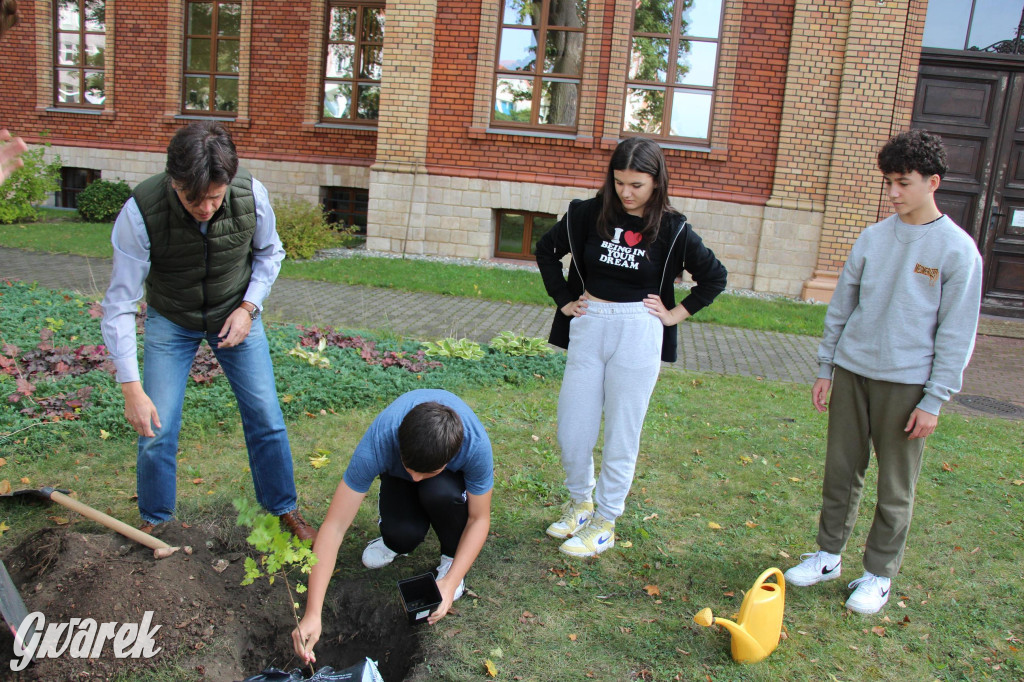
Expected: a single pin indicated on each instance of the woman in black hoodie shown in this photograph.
(617, 317)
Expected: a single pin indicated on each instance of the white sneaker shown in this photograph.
(870, 594)
(377, 554)
(816, 567)
(594, 538)
(574, 516)
(442, 571)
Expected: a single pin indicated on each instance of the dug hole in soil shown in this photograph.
(212, 628)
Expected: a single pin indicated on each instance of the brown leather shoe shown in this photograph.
(293, 522)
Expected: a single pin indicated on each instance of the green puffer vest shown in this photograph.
(197, 280)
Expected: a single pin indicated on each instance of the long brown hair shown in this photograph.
(642, 155)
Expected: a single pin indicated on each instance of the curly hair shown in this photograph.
(8, 15)
(914, 150)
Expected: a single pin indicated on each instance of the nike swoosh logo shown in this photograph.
(885, 593)
(581, 520)
(604, 539)
(826, 569)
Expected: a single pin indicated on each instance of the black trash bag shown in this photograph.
(364, 671)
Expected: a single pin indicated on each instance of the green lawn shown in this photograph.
(727, 484)
(745, 455)
(57, 234)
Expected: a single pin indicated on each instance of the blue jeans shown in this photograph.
(168, 354)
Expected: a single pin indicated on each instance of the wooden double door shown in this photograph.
(975, 104)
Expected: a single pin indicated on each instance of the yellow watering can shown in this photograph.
(760, 619)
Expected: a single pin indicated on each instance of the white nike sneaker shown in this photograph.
(816, 567)
(377, 554)
(442, 571)
(870, 594)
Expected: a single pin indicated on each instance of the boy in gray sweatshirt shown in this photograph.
(898, 334)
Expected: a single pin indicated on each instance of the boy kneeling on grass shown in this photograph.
(898, 334)
(436, 470)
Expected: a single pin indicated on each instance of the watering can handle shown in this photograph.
(779, 578)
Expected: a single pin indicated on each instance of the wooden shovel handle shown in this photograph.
(108, 521)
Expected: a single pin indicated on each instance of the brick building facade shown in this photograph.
(800, 97)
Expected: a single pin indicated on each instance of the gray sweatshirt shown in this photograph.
(905, 308)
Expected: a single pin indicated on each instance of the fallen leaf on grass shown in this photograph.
(751, 524)
(714, 526)
(104, 434)
(946, 467)
(3, 528)
(451, 632)
(59, 520)
(651, 517)
(878, 630)
(535, 437)
(652, 590)
(783, 554)
(496, 653)
(492, 671)
(627, 544)
(319, 461)
(197, 481)
(1018, 482)
(5, 487)
(25, 480)
(729, 594)
(794, 479)
(572, 637)
(2, 461)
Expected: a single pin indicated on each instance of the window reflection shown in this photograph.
(354, 61)
(671, 76)
(79, 44)
(975, 25)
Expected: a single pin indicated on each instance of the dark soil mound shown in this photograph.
(210, 626)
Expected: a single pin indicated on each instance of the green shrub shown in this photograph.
(303, 228)
(27, 187)
(452, 348)
(516, 344)
(102, 200)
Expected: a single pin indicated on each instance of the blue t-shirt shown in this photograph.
(378, 451)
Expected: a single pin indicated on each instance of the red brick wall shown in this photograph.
(277, 89)
(745, 175)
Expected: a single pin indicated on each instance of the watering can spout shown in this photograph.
(757, 629)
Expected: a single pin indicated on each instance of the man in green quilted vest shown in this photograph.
(201, 239)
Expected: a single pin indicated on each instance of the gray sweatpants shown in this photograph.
(612, 365)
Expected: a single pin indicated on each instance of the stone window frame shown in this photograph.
(721, 111)
(313, 103)
(67, 195)
(483, 91)
(353, 197)
(528, 220)
(82, 32)
(45, 31)
(355, 80)
(174, 74)
(214, 74)
(539, 74)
